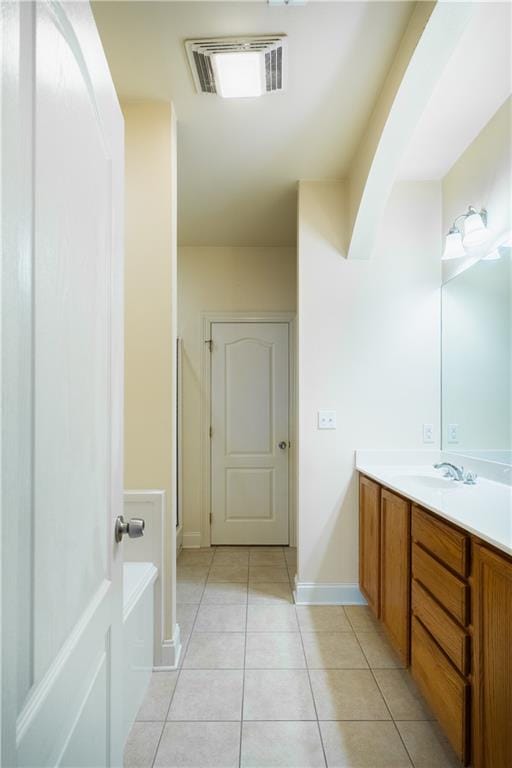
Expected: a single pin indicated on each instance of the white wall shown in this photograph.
(482, 176)
(369, 341)
(151, 320)
(219, 279)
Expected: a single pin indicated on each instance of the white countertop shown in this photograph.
(484, 509)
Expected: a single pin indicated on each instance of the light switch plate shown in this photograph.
(453, 433)
(326, 419)
(428, 433)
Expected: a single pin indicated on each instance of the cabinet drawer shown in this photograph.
(445, 690)
(448, 589)
(447, 544)
(451, 637)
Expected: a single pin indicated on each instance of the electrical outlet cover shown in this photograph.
(453, 433)
(326, 419)
(428, 433)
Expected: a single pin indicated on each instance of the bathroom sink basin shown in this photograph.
(428, 481)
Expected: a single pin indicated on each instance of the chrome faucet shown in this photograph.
(457, 473)
(452, 470)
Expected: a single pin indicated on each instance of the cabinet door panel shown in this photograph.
(492, 661)
(446, 692)
(396, 570)
(369, 542)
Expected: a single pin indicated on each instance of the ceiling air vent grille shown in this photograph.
(271, 47)
(204, 72)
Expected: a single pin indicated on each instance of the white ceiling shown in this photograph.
(476, 82)
(239, 160)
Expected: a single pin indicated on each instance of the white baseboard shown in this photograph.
(316, 593)
(191, 540)
(170, 651)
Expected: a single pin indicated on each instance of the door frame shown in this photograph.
(207, 320)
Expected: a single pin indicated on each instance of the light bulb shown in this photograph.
(475, 231)
(453, 248)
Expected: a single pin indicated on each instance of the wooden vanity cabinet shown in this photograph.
(395, 571)
(492, 658)
(384, 560)
(445, 599)
(369, 542)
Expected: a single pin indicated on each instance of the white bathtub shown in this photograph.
(138, 608)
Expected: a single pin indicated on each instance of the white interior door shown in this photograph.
(250, 433)
(62, 381)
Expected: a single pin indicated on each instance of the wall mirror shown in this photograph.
(476, 361)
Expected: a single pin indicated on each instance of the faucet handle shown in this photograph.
(470, 478)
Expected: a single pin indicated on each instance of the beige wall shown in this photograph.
(369, 335)
(220, 279)
(150, 314)
(482, 177)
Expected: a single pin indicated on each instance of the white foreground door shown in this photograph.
(62, 391)
(250, 425)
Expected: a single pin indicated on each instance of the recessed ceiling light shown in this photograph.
(240, 67)
(238, 74)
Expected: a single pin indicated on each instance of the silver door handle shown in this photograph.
(282, 445)
(134, 528)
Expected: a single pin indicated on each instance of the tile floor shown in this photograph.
(265, 683)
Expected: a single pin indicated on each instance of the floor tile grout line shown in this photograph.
(384, 700)
(311, 691)
(389, 709)
(180, 669)
(282, 720)
(243, 684)
(403, 743)
(313, 669)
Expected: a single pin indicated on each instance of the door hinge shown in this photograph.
(211, 431)
(210, 344)
(211, 518)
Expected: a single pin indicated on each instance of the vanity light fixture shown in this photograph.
(473, 232)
